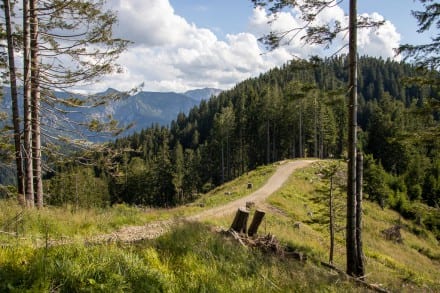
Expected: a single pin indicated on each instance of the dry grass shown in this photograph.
(411, 266)
(401, 267)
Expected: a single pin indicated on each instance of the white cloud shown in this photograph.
(151, 23)
(373, 42)
(170, 54)
(380, 42)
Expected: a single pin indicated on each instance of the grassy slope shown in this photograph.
(67, 222)
(192, 258)
(399, 266)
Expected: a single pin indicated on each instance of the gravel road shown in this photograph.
(155, 229)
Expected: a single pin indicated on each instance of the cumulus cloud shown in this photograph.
(171, 54)
(378, 42)
(150, 23)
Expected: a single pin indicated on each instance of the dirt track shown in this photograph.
(273, 184)
(155, 229)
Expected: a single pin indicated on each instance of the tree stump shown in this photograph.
(393, 233)
(240, 221)
(256, 221)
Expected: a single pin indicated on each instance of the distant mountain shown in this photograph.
(142, 109)
(202, 94)
(146, 108)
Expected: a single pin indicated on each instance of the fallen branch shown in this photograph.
(267, 244)
(358, 280)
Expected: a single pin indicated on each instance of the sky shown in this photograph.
(180, 45)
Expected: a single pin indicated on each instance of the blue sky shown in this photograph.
(231, 16)
(185, 44)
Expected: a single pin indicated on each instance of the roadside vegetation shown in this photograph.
(70, 221)
(196, 258)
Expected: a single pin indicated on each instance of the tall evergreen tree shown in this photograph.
(354, 267)
(14, 98)
(425, 55)
(55, 31)
(27, 110)
(223, 125)
(35, 103)
(324, 34)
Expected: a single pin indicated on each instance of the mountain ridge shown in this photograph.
(140, 110)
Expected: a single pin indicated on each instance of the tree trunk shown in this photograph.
(228, 162)
(29, 183)
(274, 148)
(241, 152)
(14, 98)
(322, 153)
(359, 248)
(315, 129)
(332, 223)
(35, 93)
(240, 221)
(352, 141)
(223, 163)
(301, 149)
(293, 148)
(256, 221)
(267, 142)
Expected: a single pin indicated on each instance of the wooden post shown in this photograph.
(256, 221)
(240, 221)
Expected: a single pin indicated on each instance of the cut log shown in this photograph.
(256, 221)
(240, 221)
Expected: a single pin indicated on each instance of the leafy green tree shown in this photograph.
(78, 187)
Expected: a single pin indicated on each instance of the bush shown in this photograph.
(375, 181)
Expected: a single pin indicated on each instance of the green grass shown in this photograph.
(190, 259)
(60, 222)
(193, 258)
(238, 187)
(56, 222)
(401, 267)
(411, 265)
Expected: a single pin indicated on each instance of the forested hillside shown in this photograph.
(298, 110)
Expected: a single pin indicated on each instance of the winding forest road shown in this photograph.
(155, 229)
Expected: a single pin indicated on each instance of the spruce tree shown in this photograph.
(323, 35)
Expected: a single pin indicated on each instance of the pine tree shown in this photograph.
(324, 34)
(35, 104)
(14, 97)
(223, 126)
(178, 172)
(79, 31)
(27, 111)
